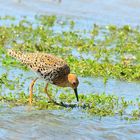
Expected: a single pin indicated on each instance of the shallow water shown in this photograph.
(25, 123)
(86, 12)
(87, 85)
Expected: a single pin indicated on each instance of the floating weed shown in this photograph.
(108, 46)
(5, 81)
(94, 104)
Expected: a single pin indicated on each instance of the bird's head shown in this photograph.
(73, 83)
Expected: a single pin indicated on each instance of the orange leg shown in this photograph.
(46, 91)
(31, 90)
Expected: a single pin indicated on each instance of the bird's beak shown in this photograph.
(76, 94)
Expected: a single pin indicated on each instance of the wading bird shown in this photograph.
(52, 69)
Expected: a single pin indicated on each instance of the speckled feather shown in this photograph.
(47, 66)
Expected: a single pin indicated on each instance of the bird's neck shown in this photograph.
(63, 82)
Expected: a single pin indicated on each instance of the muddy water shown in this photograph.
(24, 123)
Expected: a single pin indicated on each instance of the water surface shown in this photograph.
(86, 12)
(26, 123)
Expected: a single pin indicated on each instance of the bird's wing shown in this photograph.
(50, 67)
(46, 65)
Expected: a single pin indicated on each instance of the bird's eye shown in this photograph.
(74, 83)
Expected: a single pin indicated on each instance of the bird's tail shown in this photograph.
(16, 54)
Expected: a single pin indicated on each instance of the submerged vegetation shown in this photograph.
(108, 52)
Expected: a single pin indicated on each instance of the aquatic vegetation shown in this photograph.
(108, 46)
(99, 105)
(108, 52)
(94, 104)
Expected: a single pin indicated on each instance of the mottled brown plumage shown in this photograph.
(52, 69)
(47, 66)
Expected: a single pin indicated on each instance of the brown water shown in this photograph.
(24, 123)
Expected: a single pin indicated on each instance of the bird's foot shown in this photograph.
(30, 101)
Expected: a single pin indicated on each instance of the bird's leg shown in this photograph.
(31, 90)
(46, 91)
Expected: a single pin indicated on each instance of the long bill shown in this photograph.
(76, 94)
